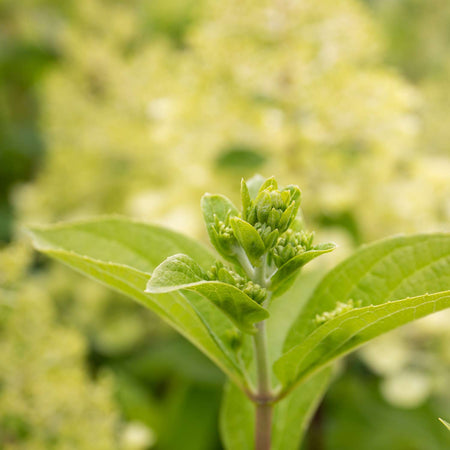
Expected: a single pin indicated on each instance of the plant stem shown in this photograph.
(262, 362)
(263, 426)
(263, 422)
(264, 395)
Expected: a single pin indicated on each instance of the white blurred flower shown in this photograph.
(138, 436)
(407, 389)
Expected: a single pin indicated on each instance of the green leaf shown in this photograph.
(174, 273)
(217, 205)
(182, 272)
(285, 275)
(254, 184)
(249, 239)
(349, 330)
(120, 240)
(390, 269)
(237, 419)
(121, 254)
(293, 414)
(445, 423)
(304, 399)
(269, 183)
(220, 207)
(379, 279)
(245, 199)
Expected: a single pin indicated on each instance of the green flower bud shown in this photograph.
(235, 339)
(263, 206)
(274, 207)
(290, 244)
(218, 272)
(277, 200)
(254, 291)
(225, 276)
(271, 238)
(223, 236)
(251, 216)
(274, 218)
(286, 196)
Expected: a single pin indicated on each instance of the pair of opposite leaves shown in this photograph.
(395, 281)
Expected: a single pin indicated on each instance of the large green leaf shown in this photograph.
(237, 419)
(293, 414)
(182, 272)
(121, 254)
(390, 269)
(120, 240)
(351, 329)
(377, 281)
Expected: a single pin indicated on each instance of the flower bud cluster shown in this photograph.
(340, 309)
(265, 241)
(224, 235)
(290, 244)
(218, 272)
(268, 235)
(272, 211)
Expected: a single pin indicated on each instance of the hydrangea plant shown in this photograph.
(239, 307)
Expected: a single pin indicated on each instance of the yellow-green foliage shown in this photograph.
(47, 398)
(144, 128)
(297, 89)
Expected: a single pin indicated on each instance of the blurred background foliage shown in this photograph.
(140, 107)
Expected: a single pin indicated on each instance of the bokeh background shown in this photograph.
(138, 107)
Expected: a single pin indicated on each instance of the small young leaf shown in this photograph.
(287, 217)
(181, 272)
(175, 273)
(245, 199)
(217, 205)
(254, 184)
(269, 183)
(215, 208)
(249, 239)
(285, 275)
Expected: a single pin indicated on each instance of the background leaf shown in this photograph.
(237, 419)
